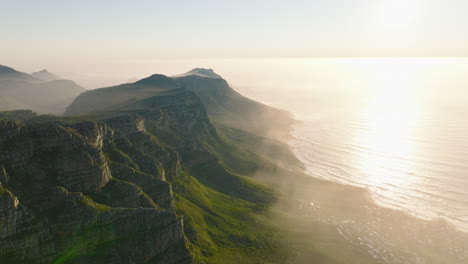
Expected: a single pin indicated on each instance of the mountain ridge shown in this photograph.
(46, 75)
(202, 72)
(10, 74)
(154, 155)
(50, 95)
(219, 98)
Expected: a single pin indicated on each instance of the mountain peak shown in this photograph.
(202, 72)
(156, 79)
(8, 73)
(45, 75)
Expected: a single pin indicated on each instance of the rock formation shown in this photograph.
(135, 173)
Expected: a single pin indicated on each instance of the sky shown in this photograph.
(61, 32)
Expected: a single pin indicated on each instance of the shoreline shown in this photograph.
(368, 227)
(372, 196)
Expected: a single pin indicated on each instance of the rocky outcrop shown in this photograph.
(175, 115)
(98, 187)
(70, 194)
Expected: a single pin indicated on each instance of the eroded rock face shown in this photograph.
(52, 154)
(87, 193)
(99, 191)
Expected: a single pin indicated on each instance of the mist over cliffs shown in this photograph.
(42, 92)
(148, 172)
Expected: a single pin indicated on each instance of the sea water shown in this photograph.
(395, 126)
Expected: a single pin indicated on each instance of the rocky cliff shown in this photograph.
(140, 176)
(69, 194)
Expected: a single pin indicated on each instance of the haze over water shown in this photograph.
(396, 127)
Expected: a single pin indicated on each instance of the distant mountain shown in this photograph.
(45, 76)
(43, 93)
(228, 107)
(224, 104)
(10, 74)
(208, 73)
(115, 97)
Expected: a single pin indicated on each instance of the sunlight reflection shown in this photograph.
(390, 115)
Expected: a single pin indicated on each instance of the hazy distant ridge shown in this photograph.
(42, 91)
(46, 76)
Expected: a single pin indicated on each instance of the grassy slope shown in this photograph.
(273, 164)
(226, 224)
(224, 229)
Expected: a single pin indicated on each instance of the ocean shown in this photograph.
(414, 160)
(397, 127)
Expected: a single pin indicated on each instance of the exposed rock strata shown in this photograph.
(68, 193)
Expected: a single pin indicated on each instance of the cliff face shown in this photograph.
(68, 193)
(80, 191)
(140, 176)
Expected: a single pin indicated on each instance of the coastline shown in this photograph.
(320, 213)
(347, 179)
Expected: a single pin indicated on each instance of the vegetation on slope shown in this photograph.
(225, 209)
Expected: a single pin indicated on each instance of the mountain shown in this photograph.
(224, 104)
(45, 76)
(10, 74)
(113, 97)
(39, 92)
(139, 173)
(227, 106)
(207, 73)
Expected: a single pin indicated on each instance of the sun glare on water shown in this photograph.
(392, 110)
